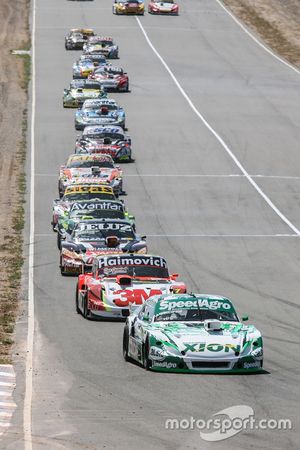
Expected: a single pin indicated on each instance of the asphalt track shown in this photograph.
(198, 211)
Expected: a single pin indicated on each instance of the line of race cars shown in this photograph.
(166, 328)
(137, 7)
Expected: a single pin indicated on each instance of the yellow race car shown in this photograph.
(129, 7)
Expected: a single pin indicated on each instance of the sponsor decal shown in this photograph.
(156, 354)
(102, 206)
(104, 226)
(134, 296)
(221, 305)
(251, 365)
(156, 261)
(88, 189)
(202, 346)
(165, 364)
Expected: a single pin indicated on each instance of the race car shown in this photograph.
(98, 166)
(118, 283)
(81, 90)
(192, 333)
(164, 7)
(77, 37)
(104, 45)
(79, 193)
(91, 237)
(128, 7)
(90, 169)
(91, 209)
(111, 111)
(86, 64)
(110, 140)
(111, 78)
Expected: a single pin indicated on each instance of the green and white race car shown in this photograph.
(192, 333)
(81, 90)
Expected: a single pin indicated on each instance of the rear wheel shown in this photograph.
(125, 343)
(146, 360)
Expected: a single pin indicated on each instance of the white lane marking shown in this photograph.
(268, 50)
(8, 404)
(4, 383)
(217, 136)
(222, 236)
(203, 235)
(6, 414)
(30, 331)
(7, 374)
(193, 175)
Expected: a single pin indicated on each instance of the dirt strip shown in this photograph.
(14, 73)
(277, 22)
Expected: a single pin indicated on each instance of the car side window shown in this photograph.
(142, 312)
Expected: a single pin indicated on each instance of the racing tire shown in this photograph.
(58, 241)
(146, 360)
(86, 311)
(125, 344)
(62, 271)
(76, 300)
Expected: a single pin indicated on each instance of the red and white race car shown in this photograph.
(90, 169)
(111, 78)
(122, 282)
(163, 7)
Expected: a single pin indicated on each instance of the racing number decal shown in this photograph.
(137, 296)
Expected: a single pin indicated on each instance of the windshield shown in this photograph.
(89, 235)
(88, 164)
(78, 196)
(114, 136)
(92, 107)
(135, 270)
(98, 214)
(195, 315)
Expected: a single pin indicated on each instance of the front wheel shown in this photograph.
(58, 241)
(125, 343)
(86, 311)
(76, 300)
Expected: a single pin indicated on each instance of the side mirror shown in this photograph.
(174, 276)
(143, 238)
(131, 217)
(245, 318)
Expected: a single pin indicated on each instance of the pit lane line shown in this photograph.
(217, 136)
